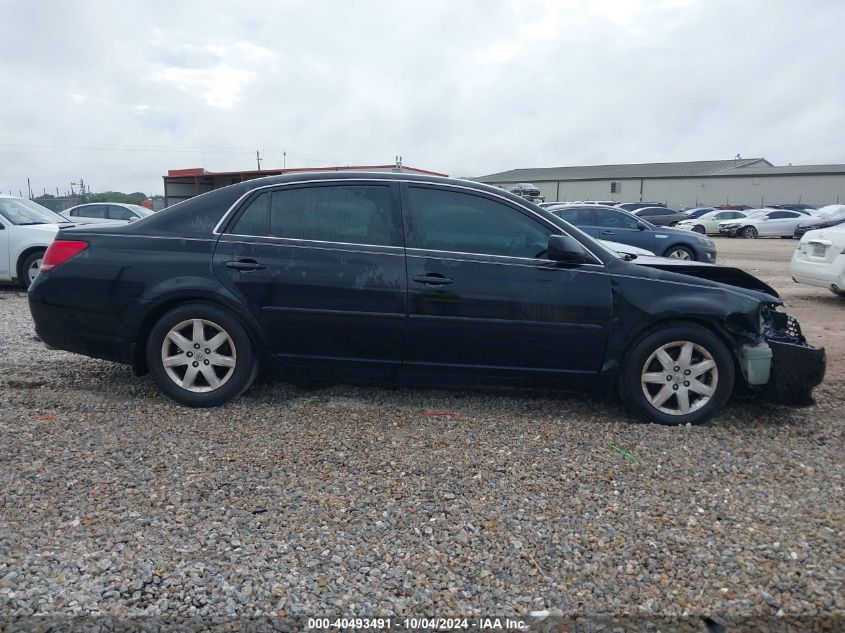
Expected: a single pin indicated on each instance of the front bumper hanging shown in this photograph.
(797, 367)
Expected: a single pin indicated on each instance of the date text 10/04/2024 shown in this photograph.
(411, 624)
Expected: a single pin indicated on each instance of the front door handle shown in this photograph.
(606, 232)
(245, 265)
(432, 279)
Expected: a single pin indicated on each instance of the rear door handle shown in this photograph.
(245, 265)
(432, 279)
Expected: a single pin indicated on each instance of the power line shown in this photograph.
(163, 148)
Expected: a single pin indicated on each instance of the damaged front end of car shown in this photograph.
(775, 359)
(773, 356)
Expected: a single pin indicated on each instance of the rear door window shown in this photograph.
(614, 220)
(353, 214)
(578, 216)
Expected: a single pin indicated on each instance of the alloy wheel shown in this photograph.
(679, 377)
(679, 253)
(198, 355)
(34, 267)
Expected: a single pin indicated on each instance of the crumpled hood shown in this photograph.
(715, 273)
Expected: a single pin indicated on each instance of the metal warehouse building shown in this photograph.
(752, 181)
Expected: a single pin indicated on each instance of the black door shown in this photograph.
(322, 267)
(483, 296)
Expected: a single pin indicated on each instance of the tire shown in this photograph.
(181, 336)
(642, 383)
(749, 232)
(673, 225)
(679, 252)
(698, 228)
(30, 264)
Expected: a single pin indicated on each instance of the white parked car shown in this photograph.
(764, 223)
(819, 259)
(105, 213)
(26, 230)
(708, 223)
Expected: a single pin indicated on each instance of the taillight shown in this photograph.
(59, 252)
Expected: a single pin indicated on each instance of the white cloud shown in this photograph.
(466, 87)
(220, 86)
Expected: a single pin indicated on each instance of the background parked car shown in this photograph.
(826, 217)
(819, 259)
(626, 249)
(661, 216)
(26, 230)
(526, 189)
(708, 223)
(105, 213)
(698, 211)
(632, 206)
(735, 207)
(764, 223)
(611, 223)
(795, 206)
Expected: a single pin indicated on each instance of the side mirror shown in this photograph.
(641, 226)
(132, 219)
(566, 249)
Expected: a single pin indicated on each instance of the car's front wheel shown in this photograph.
(678, 374)
(201, 355)
(680, 252)
(29, 268)
(699, 229)
(749, 232)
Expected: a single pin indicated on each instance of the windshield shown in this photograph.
(21, 211)
(758, 213)
(143, 211)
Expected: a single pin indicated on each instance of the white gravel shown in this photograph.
(367, 501)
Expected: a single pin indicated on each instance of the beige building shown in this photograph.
(751, 181)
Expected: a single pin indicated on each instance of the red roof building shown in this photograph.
(181, 184)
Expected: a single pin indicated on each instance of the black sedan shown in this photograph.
(661, 216)
(396, 277)
(615, 225)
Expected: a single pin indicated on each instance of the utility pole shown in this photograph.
(29, 188)
(258, 159)
(284, 160)
(81, 184)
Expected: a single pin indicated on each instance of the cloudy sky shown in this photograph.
(117, 93)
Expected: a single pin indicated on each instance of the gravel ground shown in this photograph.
(345, 501)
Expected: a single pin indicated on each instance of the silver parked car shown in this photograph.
(105, 213)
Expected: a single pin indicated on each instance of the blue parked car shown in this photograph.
(616, 225)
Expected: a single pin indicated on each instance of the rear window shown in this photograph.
(196, 216)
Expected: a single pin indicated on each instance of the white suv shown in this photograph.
(26, 230)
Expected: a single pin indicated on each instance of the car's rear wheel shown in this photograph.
(681, 373)
(201, 355)
(29, 268)
(699, 229)
(679, 252)
(749, 232)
